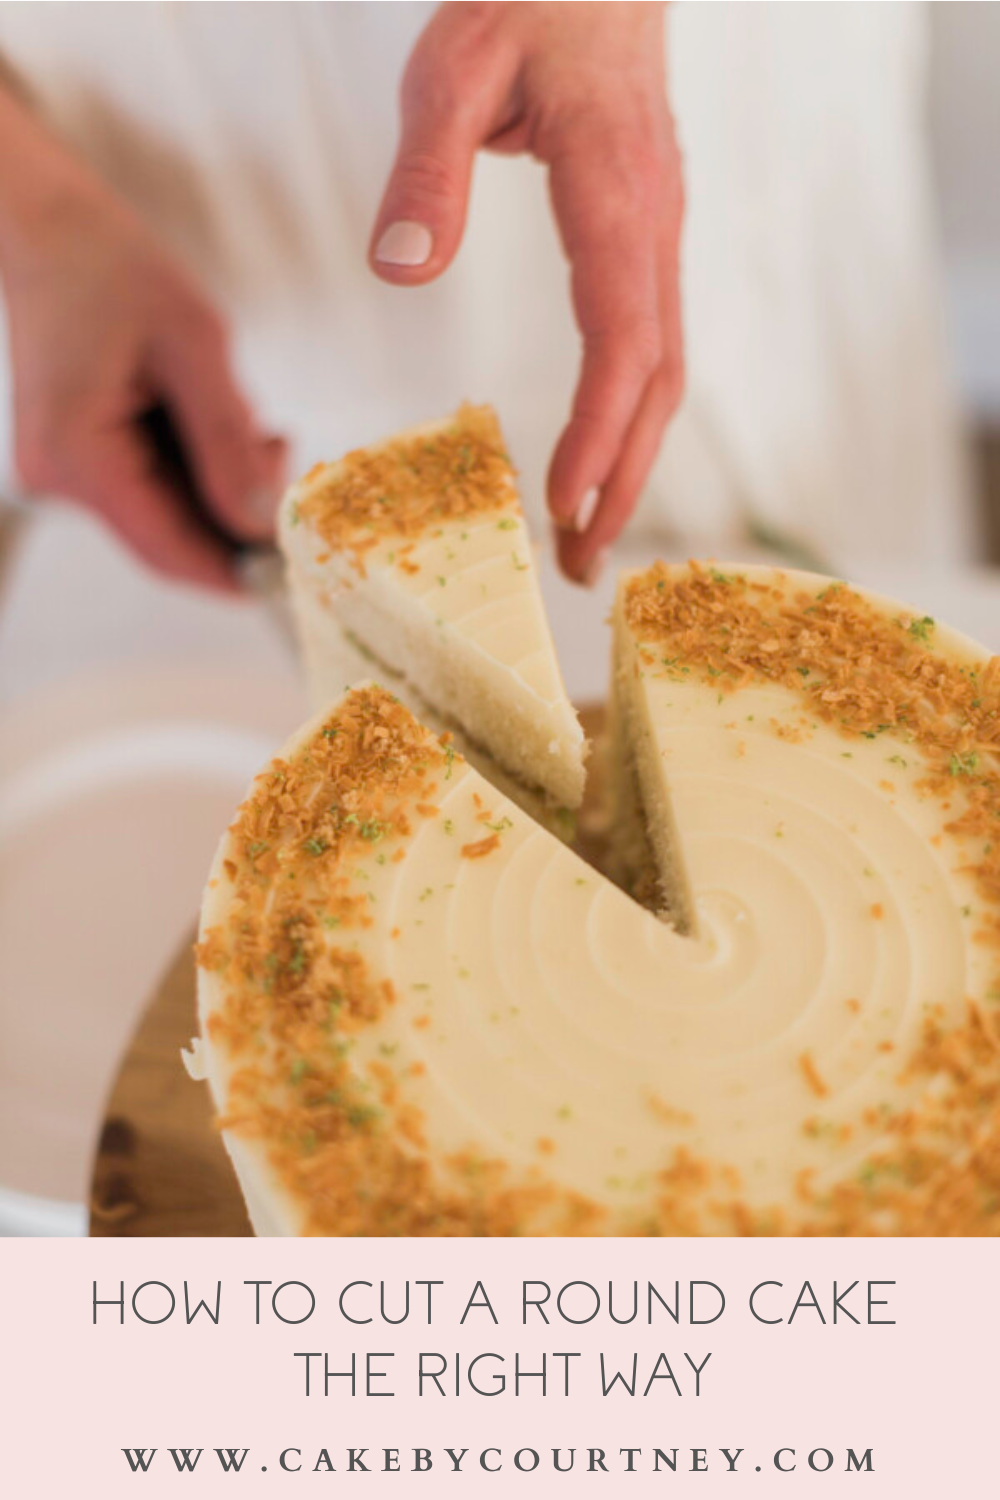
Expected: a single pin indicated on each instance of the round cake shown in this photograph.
(422, 1014)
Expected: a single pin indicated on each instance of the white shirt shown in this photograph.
(256, 139)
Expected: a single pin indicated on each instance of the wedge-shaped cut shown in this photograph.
(415, 553)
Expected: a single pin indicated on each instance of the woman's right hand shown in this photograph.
(104, 325)
(582, 89)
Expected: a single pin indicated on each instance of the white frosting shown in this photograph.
(560, 1012)
(456, 610)
(475, 578)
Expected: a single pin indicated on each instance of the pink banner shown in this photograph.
(162, 1367)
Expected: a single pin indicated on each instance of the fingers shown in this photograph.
(239, 471)
(147, 518)
(619, 209)
(582, 554)
(455, 83)
(94, 452)
(111, 474)
(582, 551)
(605, 188)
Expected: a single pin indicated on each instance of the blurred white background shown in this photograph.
(965, 140)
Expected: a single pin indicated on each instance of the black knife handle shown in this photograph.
(172, 467)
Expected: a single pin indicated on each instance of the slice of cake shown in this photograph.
(422, 1014)
(410, 562)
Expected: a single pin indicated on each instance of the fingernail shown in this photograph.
(595, 567)
(584, 513)
(405, 243)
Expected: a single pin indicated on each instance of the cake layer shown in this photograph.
(335, 660)
(423, 1014)
(418, 548)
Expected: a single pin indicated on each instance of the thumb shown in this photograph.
(451, 98)
(237, 467)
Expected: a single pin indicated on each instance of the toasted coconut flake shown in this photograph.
(403, 488)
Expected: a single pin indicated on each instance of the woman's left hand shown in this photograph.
(582, 88)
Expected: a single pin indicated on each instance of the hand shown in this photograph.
(582, 88)
(103, 325)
